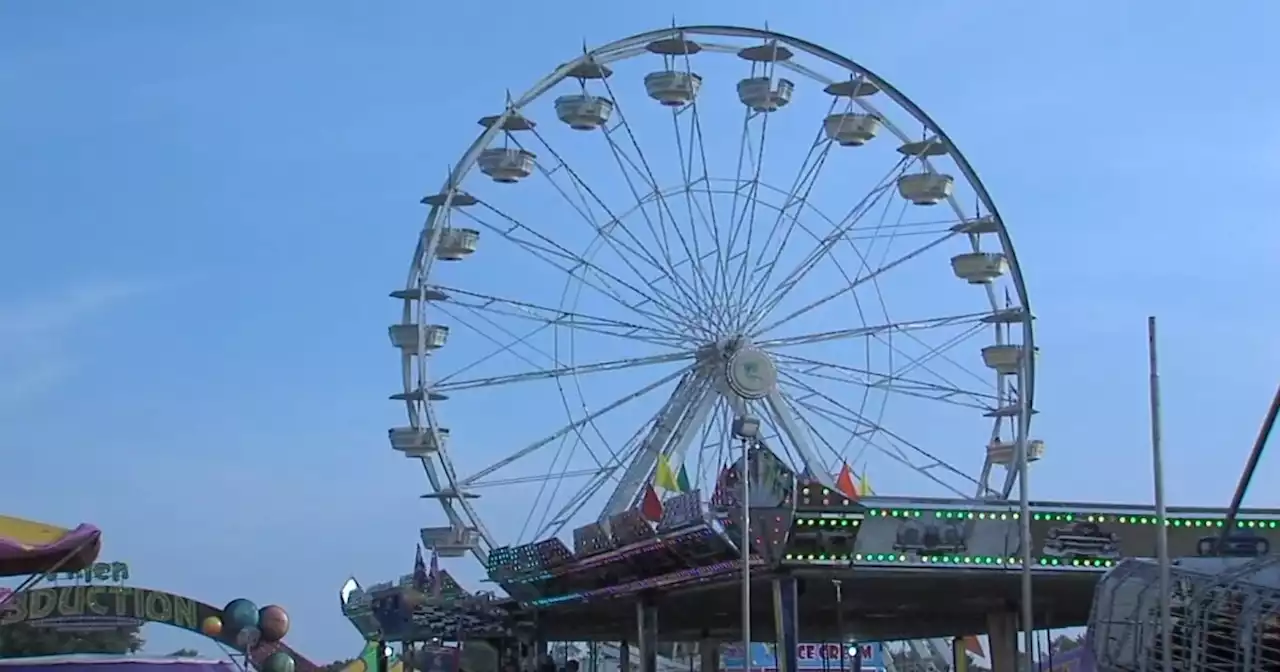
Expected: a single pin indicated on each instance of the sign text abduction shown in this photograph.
(120, 602)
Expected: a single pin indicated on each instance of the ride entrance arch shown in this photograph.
(85, 606)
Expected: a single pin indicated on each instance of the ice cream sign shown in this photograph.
(809, 656)
(814, 655)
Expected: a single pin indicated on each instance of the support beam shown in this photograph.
(624, 656)
(1002, 633)
(647, 625)
(709, 655)
(786, 609)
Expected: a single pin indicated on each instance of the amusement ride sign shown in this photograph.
(99, 599)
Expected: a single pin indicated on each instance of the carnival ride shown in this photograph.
(679, 235)
(634, 221)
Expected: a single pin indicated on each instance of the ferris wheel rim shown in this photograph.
(423, 257)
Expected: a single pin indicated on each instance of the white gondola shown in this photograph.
(1004, 452)
(457, 244)
(507, 164)
(584, 112)
(1003, 359)
(765, 94)
(406, 337)
(449, 541)
(979, 268)
(672, 87)
(978, 225)
(926, 188)
(416, 442)
(850, 129)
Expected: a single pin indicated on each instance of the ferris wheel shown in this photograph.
(688, 226)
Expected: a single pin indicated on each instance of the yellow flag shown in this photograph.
(864, 485)
(665, 478)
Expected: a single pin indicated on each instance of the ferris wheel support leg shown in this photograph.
(647, 634)
(708, 654)
(1002, 636)
(812, 463)
(786, 610)
(692, 392)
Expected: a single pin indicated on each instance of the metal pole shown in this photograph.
(1024, 514)
(840, 624)
(1162, 522)
(746, 554)
(1259, 445)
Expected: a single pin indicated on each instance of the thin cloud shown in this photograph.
(37, 339)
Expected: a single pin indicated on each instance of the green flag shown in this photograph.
(682, 480)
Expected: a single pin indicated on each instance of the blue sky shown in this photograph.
(206, 204)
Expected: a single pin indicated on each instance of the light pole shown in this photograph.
(844, 644)
(746, 428)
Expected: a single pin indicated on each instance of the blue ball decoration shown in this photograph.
(239, 614)
(280, 661)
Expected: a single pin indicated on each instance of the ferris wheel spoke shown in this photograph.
(571, 428)
(639, 167)
(578, 269)
(892, 451)
(557, 317)
(857, 282)
(555, 524)
(561, 371)
(891, 382)
(873, 329)
(934, 462)
(937, 352)
(766, 301)
(696, 213)
(797, 197)
(664, 265)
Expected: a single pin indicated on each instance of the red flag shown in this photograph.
(650, 505)
(844, 482)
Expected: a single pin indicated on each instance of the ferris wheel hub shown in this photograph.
(750, 372)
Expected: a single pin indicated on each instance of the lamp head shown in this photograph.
(746, 427)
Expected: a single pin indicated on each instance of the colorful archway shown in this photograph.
(64, 604)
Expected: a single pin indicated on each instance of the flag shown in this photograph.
(664, 478)
(437, 580)
(420, 577)
(844, 482)
(864, 486)
(682, 480)
(720, 496)
(650, 505)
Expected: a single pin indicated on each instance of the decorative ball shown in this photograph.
(238, 614)
(211, 626)
(247, 638)
(280, 661)
(273, 621)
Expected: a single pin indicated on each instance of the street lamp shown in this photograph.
(747, 429)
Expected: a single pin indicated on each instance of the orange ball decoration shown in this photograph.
(211, 626)
(273, 620)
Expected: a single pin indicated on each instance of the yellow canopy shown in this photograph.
(29, 533)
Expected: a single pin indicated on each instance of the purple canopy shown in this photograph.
(19, 557)
(94, 663)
